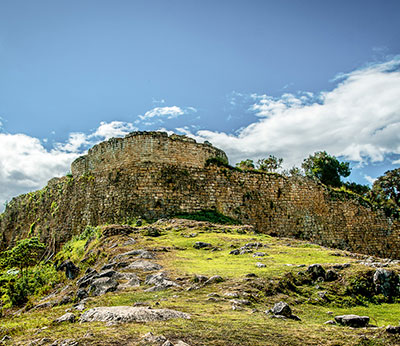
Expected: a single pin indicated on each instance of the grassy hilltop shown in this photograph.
(229, 309)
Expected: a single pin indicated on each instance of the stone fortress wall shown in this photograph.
(154, 175)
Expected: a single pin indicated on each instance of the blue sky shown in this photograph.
(253, 77)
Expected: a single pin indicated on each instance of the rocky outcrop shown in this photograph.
(125, 314)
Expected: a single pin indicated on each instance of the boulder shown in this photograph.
(144, 265)
(316, 271)
(103, 285)
(69, 317)
(331, 275)
(214, 279)
(201, 245)
(159, 282)
(393, 329)
(125, 314)
(282, 309)
(71, 270)
(386, 282)
(81, 294)
(354, 321)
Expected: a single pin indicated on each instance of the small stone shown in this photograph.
(354, 321)
(282, 309)
(259, 254)
(167, 343)
(260, 265)
(214, 279)
(332, 322)
(331, 275)
(251, 275)
(316, 271)
(235, 252)
(201, 245)
(68, 317)
(393, 329)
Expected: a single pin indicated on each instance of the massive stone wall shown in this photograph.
(117, 189)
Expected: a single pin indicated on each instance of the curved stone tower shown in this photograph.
(145, 147)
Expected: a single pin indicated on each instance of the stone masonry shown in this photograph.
(153, 175)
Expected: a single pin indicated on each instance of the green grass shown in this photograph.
(214, 322)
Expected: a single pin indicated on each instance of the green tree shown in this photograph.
(270, 164)
(245, 164)
(386, 189)
(328, 169)
(24, 254)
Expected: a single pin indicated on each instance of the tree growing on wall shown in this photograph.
(270, 164)
(386, 189)
(246, 164)
(326, 168)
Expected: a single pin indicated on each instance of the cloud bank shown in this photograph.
(26, 165)
(358, 120)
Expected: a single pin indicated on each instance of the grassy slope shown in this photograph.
(214, 322)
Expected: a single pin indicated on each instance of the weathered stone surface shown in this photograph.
(282, 309)
(214, 280)
(103, 285)
(71, 270)
(124, 314)
(386, 282)
(393, 329)
(144, 265)
(354, 321)
(160, 282)
(331, 275)
(201, 245)
(68, 317)
(154, 339)
(316, 271)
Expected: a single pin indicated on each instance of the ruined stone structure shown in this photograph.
(153, 175)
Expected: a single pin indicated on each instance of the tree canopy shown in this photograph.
(386, 189)
(326, 168)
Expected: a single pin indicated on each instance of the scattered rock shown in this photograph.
(144, 265)
(71, 270)
(235, 252)
(103, 285)
(251, 275)
(181, 343)
(124, 314)
(201, 245)
(393, 329)
(331, 275)
(260, 265)
(386, 282)
(160, 282)
(154, 339)
(167, 343)
(259, 254)
(332, 322)
(354, 321)
(232, 294)
(200, 279)
(341, 266)
(316, 271)
(282, 309)
(132, 280)
(81, 294)
(213, 280)
(87, 279)
(107, 273)
(68, 317)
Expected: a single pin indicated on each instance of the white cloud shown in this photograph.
(166, 112)
(26, 165)
(113, 129)
(359, 120)
(369, 179)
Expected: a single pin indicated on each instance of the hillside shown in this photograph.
(218, 282)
